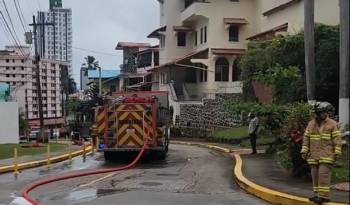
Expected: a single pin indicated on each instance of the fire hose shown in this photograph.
(31, 187)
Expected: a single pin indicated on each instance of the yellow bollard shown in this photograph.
(70, 151)
(92, 146)
(97, 142)
(15, 163)
(48, 156)
(84, 152)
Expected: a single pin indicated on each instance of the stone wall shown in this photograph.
(208, 115)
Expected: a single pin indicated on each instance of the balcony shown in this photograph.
(195, 10)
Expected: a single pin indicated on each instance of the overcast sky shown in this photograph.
(97, 25)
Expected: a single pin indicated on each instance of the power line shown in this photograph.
(13, 32)
(20, 14)
(97, 52)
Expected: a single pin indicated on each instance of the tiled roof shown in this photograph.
(122, 45)
(227, 51)
(283, 27)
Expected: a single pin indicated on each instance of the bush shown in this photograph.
(289, 155)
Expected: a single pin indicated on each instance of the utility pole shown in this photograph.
(309, 39)
(99, 82)
(37, 75)
(344, 64)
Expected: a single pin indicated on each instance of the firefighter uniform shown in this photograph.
(321, 144)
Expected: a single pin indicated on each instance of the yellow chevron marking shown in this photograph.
(138, 128)
(101, 127)
(140, 107)
(148, 118)
(124, 115)
(123, 139)
(135, 137)
(121, 107)
(100, 116)
(122, 129)
(136, 115)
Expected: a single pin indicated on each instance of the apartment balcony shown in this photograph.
(196, 10)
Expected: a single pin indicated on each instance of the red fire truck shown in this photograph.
(126, 119)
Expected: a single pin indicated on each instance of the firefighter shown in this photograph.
(321, 147)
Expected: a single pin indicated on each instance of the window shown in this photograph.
(22, 61)
(181, 39)
(205, 34)
(236, 72)
(195, 38)
(13, 68)
(7, 75)
(22, 76)
(201, 35)
(13, 61)
(13, 75)
(7, 68)
(221, 69)
(233, 33)
(22, 68)
(7, 60)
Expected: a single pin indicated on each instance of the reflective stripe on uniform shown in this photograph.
(304, 149)
(327, 160)
(311, 161)
(315, 137)
(326, 136)
(315, 188)
(323, 189)
(336, 133)
(337, 149)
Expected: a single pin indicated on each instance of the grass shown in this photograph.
(260, 141)
(6, 150)
(236, 133)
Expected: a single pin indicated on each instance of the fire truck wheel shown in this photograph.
(108, 156)
(161, 155)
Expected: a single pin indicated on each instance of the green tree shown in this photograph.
(23, 125)
(289, 51)
(91, 62)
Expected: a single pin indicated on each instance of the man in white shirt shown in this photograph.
(252, 130)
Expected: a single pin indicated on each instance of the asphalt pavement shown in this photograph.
(190, 175)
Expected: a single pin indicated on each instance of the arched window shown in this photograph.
(221, 69)
(236, 72)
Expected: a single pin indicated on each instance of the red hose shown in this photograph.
(31, 187)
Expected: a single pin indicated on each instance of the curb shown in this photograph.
(56, 159)
(264, 193)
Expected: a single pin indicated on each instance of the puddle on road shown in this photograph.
(82, 195)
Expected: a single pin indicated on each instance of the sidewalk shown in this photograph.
(23, 159)
(264, 171)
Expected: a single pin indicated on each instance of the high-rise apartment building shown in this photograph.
(55, 40)
(19, 71)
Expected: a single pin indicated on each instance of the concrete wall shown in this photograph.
(9, 128)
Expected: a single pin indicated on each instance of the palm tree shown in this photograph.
(91, 62)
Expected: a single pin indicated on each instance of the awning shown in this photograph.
(283, 27)
(227, 51)
(183, 29)
(155, 33)
(235, 21)
(202, 54)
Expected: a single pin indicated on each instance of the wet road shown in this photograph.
(190, 175)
